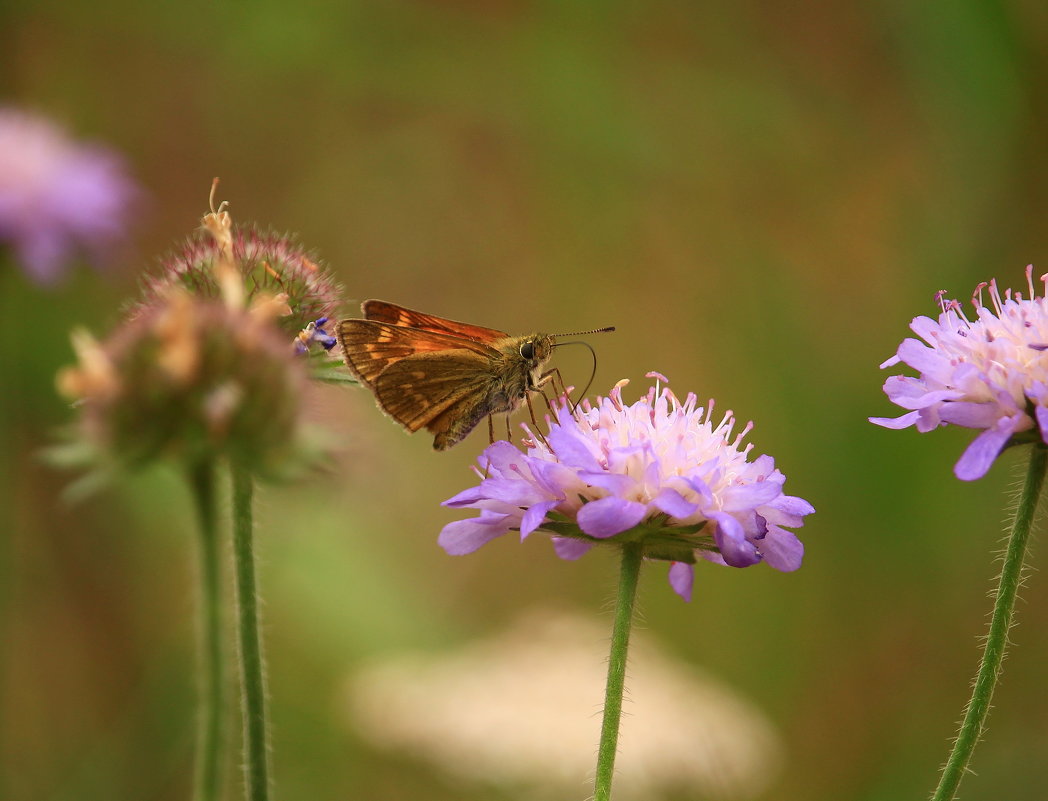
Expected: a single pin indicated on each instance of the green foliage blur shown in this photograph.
(759, 196)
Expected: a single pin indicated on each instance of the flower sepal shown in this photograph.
(74, 452)
(667, 543)
(661, 542)
(568, 529)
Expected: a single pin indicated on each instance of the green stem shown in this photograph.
(997, 638)
(632, 554)
(210, 744)
(252, 679)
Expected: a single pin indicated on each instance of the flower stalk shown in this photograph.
(211, 740)
(1000, 624)
(211, 365)
(252, 678)
(629, 573)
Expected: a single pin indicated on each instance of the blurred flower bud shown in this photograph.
(191, 378)
(267, 266)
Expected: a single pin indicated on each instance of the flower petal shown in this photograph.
(1042, 422)
(570, 548)
(571, 449)
(905, 421)
(731, 540)
(609, 516)
(923, 359)
(673, 503)
(615, 483)
(465, 498)
(713, 556)
(913, 393)
(552, 477)
(781, 549)
(742, 497)
(977, 458)
(681, 577)
(501, 458)
(534, 517)
(970, 415)
(513, 491)
(793, 506)
(465, 536)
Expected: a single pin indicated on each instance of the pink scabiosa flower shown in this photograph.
(58, 198)
(660, 471)
(990, 373)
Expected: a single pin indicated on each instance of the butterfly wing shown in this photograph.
(371, 346)
(383, 312)
(438, 391)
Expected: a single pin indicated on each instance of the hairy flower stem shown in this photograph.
(1000, 623)
(632, 554)
(252, 681)
(210, 743)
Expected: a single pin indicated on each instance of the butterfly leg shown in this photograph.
(540, 387)
(534, 422)
(551, 377)
(549, 403)
(491, 441)
(554, 377)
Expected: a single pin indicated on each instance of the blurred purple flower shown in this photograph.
(990, 373)
(659, 471)
(57, 197)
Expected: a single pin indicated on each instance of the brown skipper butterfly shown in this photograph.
(442, 375)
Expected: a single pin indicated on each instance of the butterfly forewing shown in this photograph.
(371, 346)
(384, 312)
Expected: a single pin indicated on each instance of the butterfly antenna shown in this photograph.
(593, 374)
(604, 330)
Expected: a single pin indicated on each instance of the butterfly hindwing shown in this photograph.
(416, 391)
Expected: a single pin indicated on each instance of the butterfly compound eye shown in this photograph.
(527, 350)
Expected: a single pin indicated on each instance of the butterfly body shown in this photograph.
(438, 374)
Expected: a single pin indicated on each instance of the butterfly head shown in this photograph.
(537, 349)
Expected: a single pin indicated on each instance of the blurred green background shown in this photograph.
(759, 196)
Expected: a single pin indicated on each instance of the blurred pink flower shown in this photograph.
(58, 197)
